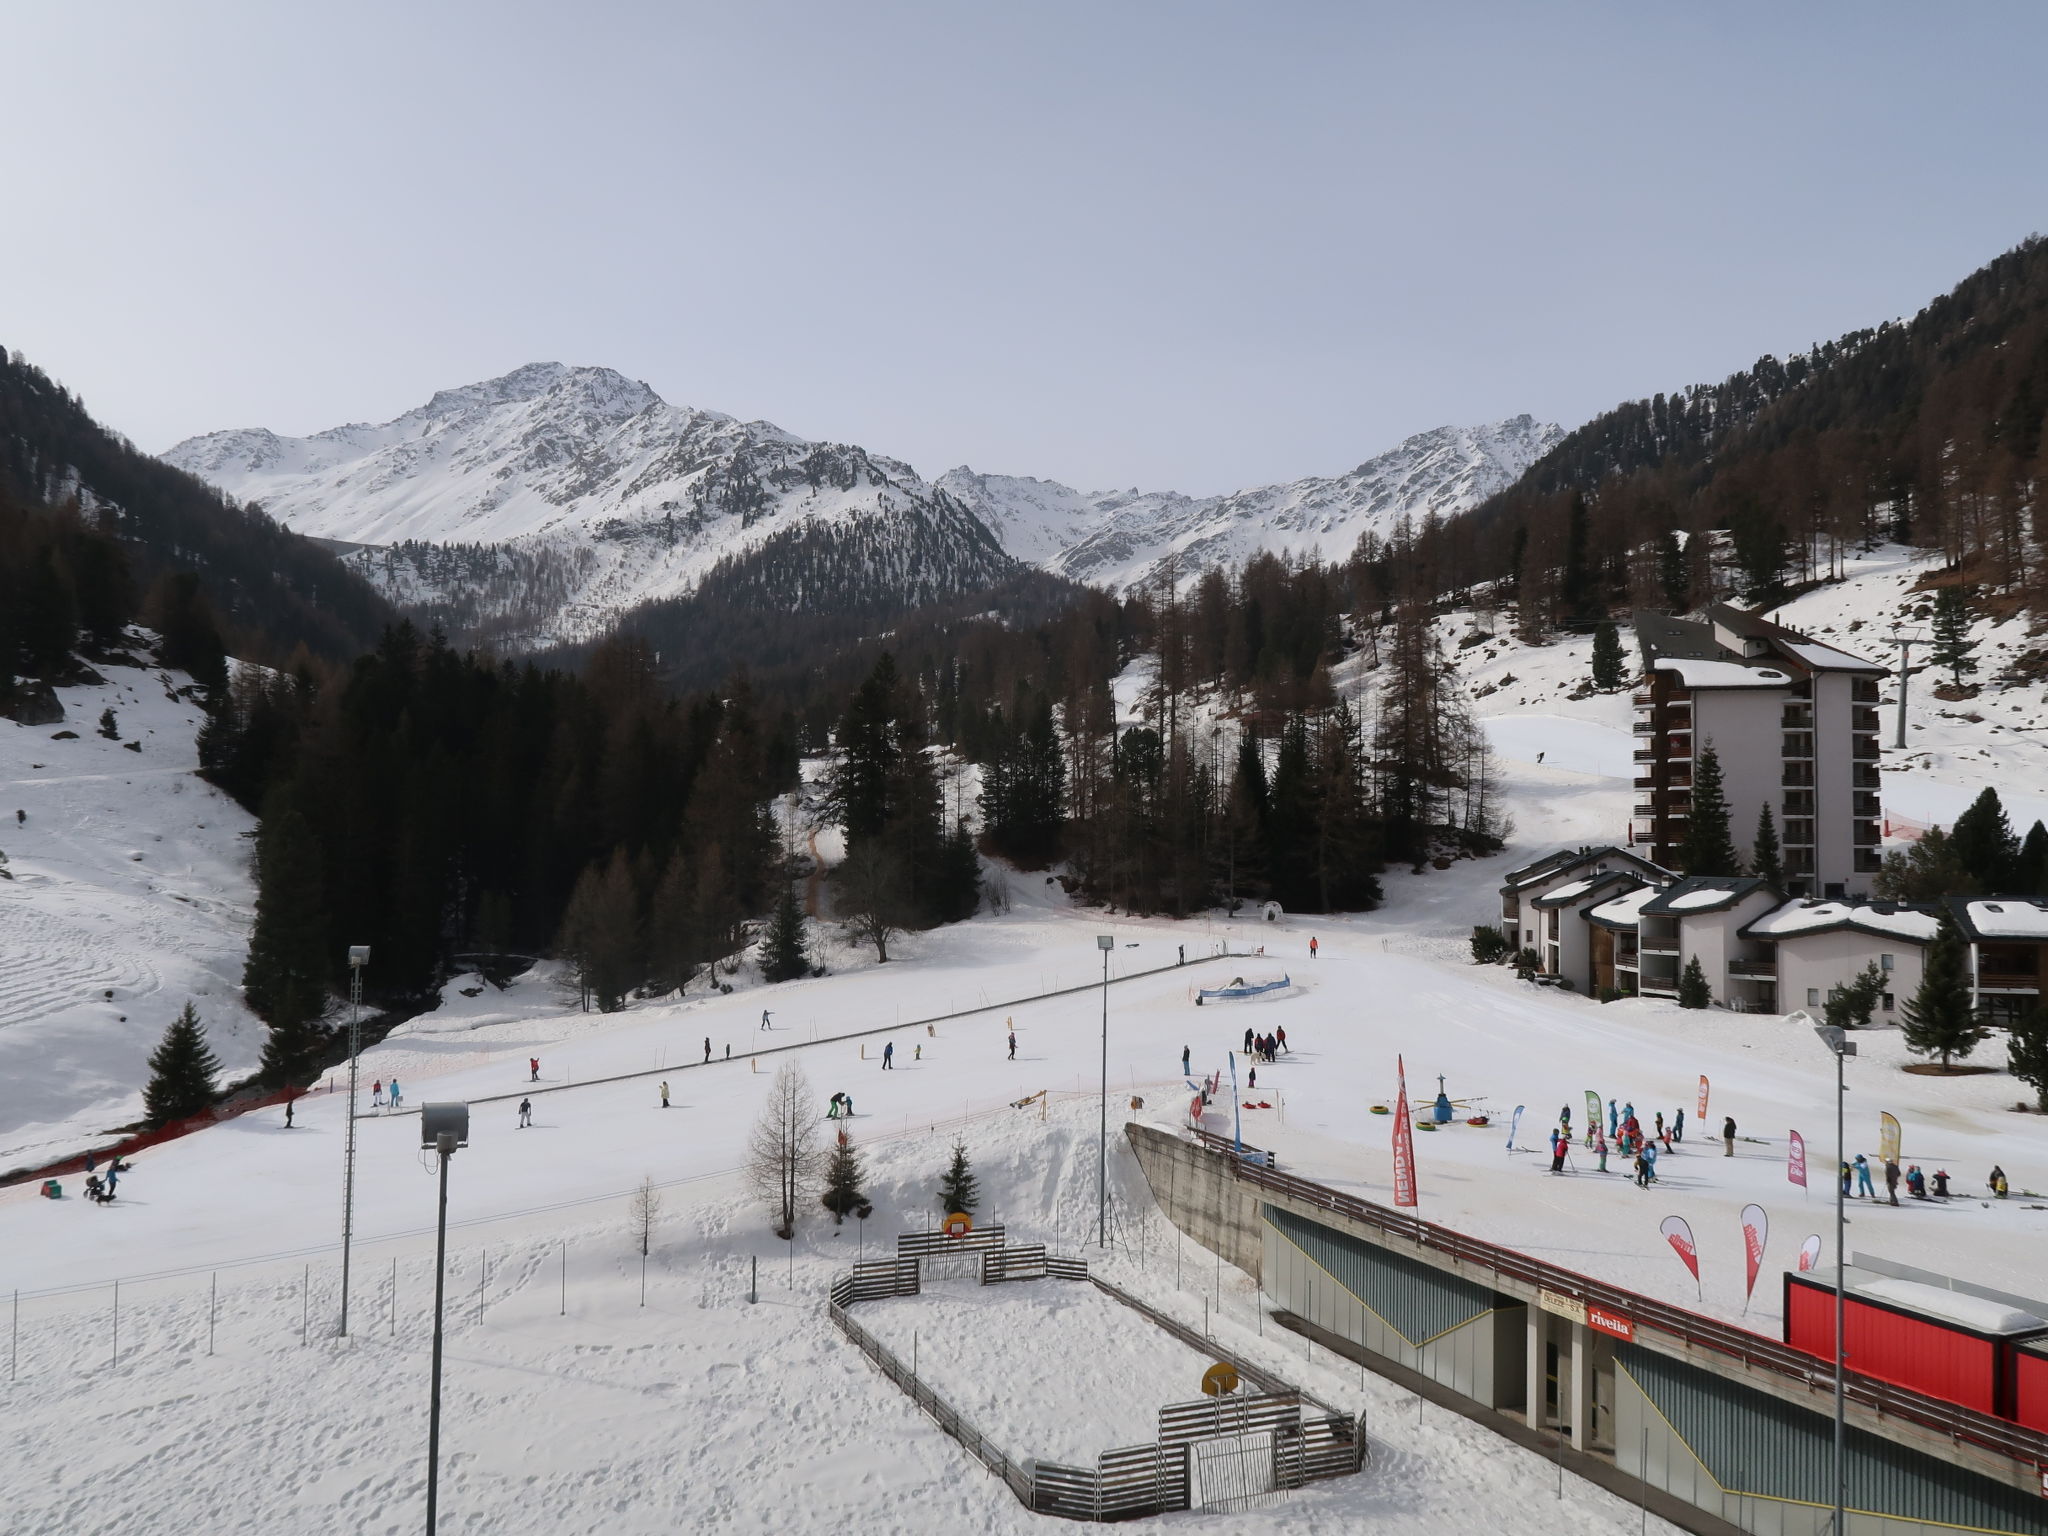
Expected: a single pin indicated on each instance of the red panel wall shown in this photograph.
(2030, 1388)
(1937, 1358)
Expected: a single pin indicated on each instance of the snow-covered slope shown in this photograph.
(537, 506)
(1119, 539)
(131, 895)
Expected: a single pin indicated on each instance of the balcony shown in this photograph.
(1765, 969)
(1658, 946)
(1798, 802)
(1867, 835)
(1649, 781)
(1644, 755)
(1658, 988)
(1643, 728)
(1864, 803)
(1868, 861)
(1675, 812)
(1864, 776)
(1797, 717)
(1799, 832)
(1862, 719)
(1798, 744)
(1863, 690)
(1864, 749)
(2007, 981)
(1641, 698)
(1796, 775)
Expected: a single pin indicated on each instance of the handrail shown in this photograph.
(1751, 1348)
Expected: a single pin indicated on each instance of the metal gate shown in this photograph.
(1234, 1473)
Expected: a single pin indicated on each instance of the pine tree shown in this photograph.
(1766, 861)
(1609, 666)
(1693, 990)
(1938, 1020)
(1849, 1006)
(843, 1196)
(1925, 869)
(1674, 580)
(181, 1072)
(600, 934)
(2026, 1053)
(959, 1190)
(285, 977)
(1952, 643)
(783, 957)
(2030, 869)
(1984, 845)
(1707, 848)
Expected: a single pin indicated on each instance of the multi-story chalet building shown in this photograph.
(1794, 725)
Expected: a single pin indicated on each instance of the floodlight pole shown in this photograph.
(1842, 1048)
(444, 1146)
(358, 957)
(1104, 942)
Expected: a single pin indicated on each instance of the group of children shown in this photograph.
(1624, 1134)
(1265, 1047)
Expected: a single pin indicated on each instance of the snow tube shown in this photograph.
(1253, 989)
(1478, 1120)
(1381, 1109)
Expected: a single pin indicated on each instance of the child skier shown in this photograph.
(525, 1113)
(664, 1095)
(1600, 1148)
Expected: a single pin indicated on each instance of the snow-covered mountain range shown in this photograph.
(539, 506)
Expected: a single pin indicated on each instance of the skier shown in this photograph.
(1183, 954)
(764, 1018)
(1678, 1126)
(1183, 1058)
(1891, 1180)
(728, 1050)
(1642, 1171)
(1564, 1118)
(1863, 1189)
(846, 1105)
(664, 1095)
(533, 1069)
(1312, 947)
(1013, 1049)
(1659, 1133)
(525, 1113)
(94, 1190)
(1252, 1081)
(1916, 1182)
(1846, 1175)
(1600, 1148)
(21, 818)
(1280, 1035)
(707, 1047)
(1613, 1119)
(1650, 1160)
(377, 1094)
(394, 1093)
(1558, 1143)
(1247, 1042)
(1997, 1182)
(114, 1175)
(288, 1113)
(917, 1051)
(1941, 1183)
(889, 1057)
(1728, 1136)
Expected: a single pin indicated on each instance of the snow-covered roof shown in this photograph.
(1703, 893)
(1565, 892)
(1884, 919)
(1622, 911)
(2002, 917)
(1825, 658)
(1578, 890)
(1722, 674)
(1566, 860)
(1977, 1312)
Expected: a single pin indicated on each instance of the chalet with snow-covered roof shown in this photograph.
(2008, 939)
(1702, 917)
(1821, 946)
(1794, 726)
(1542, 902)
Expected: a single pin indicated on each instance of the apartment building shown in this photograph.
(2008, 939)
(1794, 725)
(1541, 902)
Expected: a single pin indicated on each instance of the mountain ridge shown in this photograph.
(575, 494)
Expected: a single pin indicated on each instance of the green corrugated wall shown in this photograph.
(1417, 1302)
(1755, 1444)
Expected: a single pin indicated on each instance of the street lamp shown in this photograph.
(443, 1127)
(358, 957)
(1104, 942)
(1842, 1047)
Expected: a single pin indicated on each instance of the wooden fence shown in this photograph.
(1124, 1484)
(923, 1245)
(1026, 1261)
(873, 1281)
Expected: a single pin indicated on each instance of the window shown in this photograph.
(1884, 962)
(1886, 998)
(1813, 997)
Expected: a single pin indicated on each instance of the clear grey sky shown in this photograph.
(1115, 243)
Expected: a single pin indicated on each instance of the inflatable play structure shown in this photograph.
(1239, 987)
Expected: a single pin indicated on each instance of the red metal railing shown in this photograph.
(1752, 1349)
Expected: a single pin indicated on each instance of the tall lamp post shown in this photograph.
(1104, 942)
(443, 1127)
(358, 957)
(1842, 1048)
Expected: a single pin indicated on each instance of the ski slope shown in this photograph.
(131, 894)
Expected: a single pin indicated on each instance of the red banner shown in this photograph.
(1703, 1099)
(1809, 1253)
(1609, 1322)
(1678, 1232)
(1756, 1231)
(1404, 1142)
(1795, 1161)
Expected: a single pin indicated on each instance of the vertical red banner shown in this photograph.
(1404, 1142)
(1795, 1161)
(1678, 1232)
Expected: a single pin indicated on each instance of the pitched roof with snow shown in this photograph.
(1881, 919)
(1702, 893)
(2001, 917)
(1770, 654)
(1825, 658)
(1723, 674)
(1566, 860)
(1575, 891)
(1622, 911)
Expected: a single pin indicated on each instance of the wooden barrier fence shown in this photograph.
(1026, 1261)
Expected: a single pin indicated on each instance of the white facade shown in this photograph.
(1812, 965)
